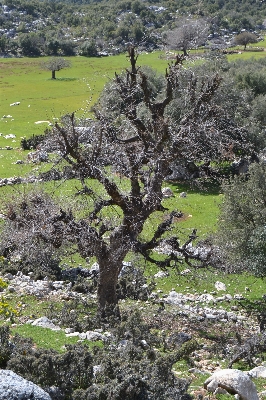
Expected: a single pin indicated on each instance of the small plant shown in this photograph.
(6, 310)
(3, 284)
(32, 142)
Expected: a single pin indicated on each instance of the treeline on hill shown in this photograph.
(88, 28)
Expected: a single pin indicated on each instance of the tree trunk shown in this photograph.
(53, 74)
(185, 51)
(107, 297)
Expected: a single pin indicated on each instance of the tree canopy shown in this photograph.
(56, 64)
(187, 36)
(244, 38)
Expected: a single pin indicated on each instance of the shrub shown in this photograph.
(242, 234)
(25, 244)
(32, 142)
(124, 370)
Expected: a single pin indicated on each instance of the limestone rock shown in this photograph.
(235, 382)
(167, 192)
(258, 372)
(14, 387)
(44, 322)
(220, 286)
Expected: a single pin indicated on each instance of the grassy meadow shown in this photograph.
(43, 100)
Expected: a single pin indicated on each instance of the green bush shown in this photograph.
(123, 370)
(241, 234)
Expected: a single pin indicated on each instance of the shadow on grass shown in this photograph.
(63, 79)
(203, 188)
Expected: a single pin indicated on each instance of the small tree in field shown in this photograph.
(56, 64)
(244, 38)
(190, 35)
(128, 154)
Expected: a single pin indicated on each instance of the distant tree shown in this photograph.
(89, 49)
(52, 47)
(3, 43)
(31, 44)
(55, 64)
(67, 48)
(187, 36)
(244, 38)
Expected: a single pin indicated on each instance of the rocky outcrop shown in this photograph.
(14, 387)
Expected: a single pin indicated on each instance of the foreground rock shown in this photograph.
(234, 382)
(14, 387)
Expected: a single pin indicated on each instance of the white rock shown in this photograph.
(94, 336)
(220, 286)
(220, 390)
(234, 381)
(72, 334)
(161, 274)
(83, 336)
(14, 387)
(185, 272)
(8, 276)
(69, 330)
(212, 386)
(44, 322)
(167, 192)
(205, 298)
(258, 372)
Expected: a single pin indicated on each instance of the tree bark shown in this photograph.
(107, 297)
(53, 74)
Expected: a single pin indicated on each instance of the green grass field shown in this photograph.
(43, 99)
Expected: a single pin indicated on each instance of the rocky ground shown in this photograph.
(213, 319)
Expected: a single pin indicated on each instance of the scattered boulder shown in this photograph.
(44, 322)
(38, 156)
(95, 269)
(93, 336)
(14, 387)
(220, 286)
(167, 192)
(161, 274)
(258, 372)
(234, 382)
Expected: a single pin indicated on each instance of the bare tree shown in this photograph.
(244, 38)
(56, 64)
(140, 151)
(187, 36)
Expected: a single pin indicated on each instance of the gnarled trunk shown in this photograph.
(107, 297)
